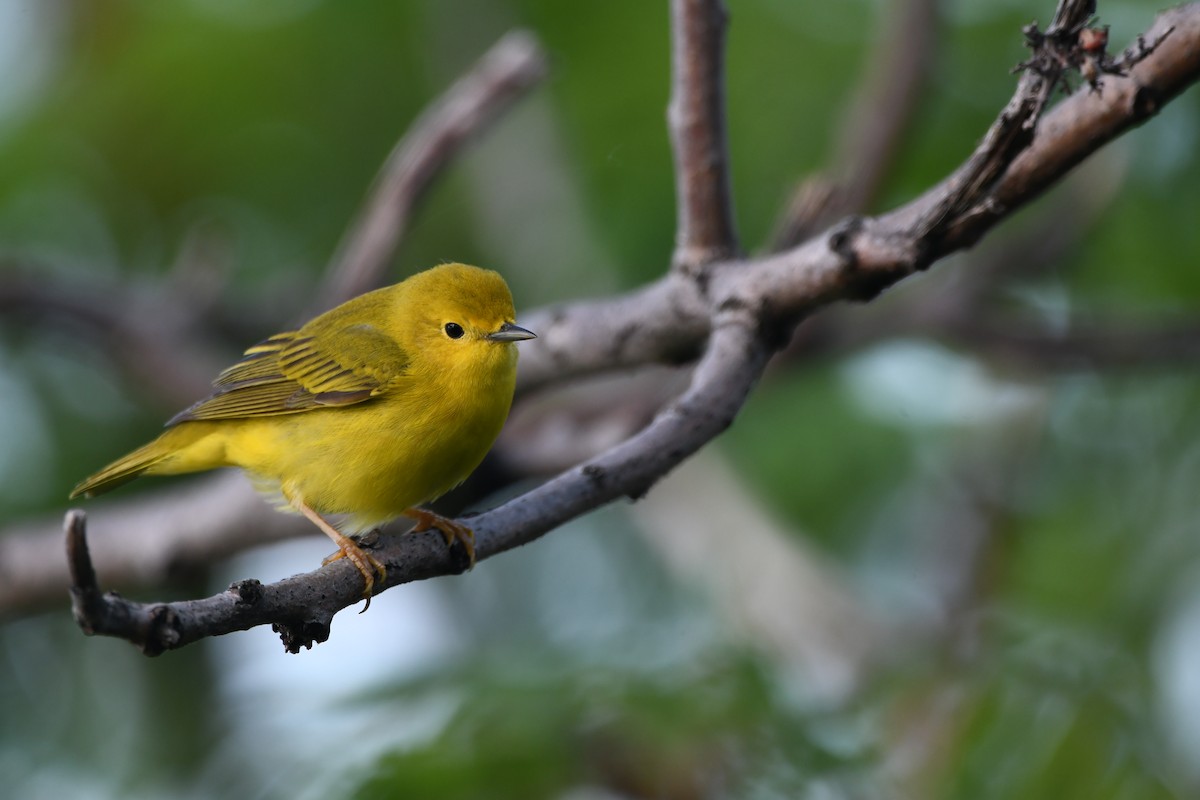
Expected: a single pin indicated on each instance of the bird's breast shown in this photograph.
(375, 459)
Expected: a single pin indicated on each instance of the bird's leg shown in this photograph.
(367, 564)
(450, 529)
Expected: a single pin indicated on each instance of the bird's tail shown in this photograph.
(121, 471)
(157, 457)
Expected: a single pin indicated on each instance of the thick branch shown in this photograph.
(504, 73)
(664, 322)
(704, 229)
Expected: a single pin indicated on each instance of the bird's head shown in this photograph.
(463, 318)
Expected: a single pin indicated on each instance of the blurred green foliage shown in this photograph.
(582, 666)
(684, 732)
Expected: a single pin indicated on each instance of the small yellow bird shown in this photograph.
(369, 410)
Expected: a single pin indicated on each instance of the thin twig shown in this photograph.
(503, 74)
(957, 212)
(1088, 120)
(704, 229)
(865, 144)
(969, 190)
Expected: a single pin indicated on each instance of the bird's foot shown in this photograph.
(367, 564)
(451, 530)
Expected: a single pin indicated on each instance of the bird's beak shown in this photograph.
(510, 333)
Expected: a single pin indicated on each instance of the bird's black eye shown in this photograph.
(454, 330)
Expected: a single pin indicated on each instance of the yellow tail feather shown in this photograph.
(122, 470)
(160, 457)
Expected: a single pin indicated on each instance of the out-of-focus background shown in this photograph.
(949, 549)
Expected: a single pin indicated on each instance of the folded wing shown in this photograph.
(302, 370)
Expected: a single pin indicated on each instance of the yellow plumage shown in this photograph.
(379, 405)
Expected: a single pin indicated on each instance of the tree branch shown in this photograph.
(504, 73)
(855, 259)
(1077, 127)
(704, 229)
(143, 541)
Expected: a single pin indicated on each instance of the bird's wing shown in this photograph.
(292, 372)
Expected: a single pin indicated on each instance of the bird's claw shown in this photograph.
(367, 565)
(452, 531)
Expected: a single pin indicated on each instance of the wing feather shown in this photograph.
(296, 371)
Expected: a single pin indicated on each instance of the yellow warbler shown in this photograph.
(381, 404)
